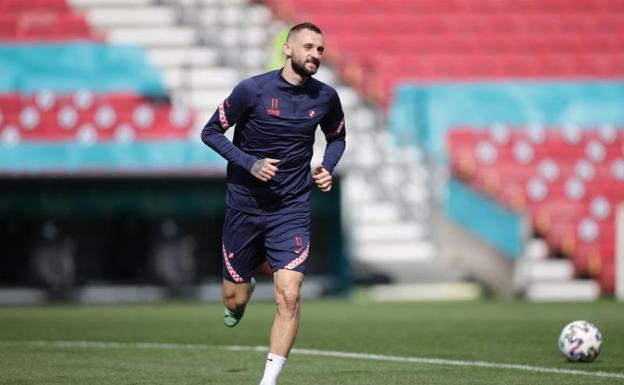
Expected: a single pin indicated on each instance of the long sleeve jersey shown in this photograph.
(275, 119)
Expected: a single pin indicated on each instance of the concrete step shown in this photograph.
(392, 252)
(104, 294)
(201, 78)
(253, 15)
(208, 100)
(443, 291)
(108, 3)
(572, 290)
(427, 270)
(529, 271)
(349, 97)
(388, 232)
(548, 270)
(221, 3)
(140, 16)
(174, 57)
(154, 36)
(379, 212)
(22, 296)
(356, 188)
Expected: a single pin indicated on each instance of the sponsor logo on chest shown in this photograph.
(274, 109)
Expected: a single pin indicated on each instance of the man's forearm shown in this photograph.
(219, 143)
(333, 153)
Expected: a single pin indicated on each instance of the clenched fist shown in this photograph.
(322, 178)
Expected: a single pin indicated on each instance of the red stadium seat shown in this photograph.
(22, 6)
(569, 186)
(50, 117)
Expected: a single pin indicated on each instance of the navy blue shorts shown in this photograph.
(249, 240)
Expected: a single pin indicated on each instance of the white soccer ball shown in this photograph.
(580, 341)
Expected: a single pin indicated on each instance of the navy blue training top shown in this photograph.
(275, 119)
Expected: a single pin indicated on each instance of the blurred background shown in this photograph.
(485, 147)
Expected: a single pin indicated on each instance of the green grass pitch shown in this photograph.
(186, 343)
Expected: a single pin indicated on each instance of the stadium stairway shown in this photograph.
(175, 42)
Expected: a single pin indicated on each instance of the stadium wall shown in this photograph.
(501, 227)
(115, 224)
(422, 114)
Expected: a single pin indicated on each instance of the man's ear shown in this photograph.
(287, 49)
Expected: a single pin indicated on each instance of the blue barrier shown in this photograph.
(141, 157)
(64, 67)
(504, 229)
(421, 114)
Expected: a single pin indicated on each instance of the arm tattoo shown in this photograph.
(257, 166)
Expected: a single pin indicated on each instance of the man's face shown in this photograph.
(305, 49)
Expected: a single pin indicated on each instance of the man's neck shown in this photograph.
(291, 76)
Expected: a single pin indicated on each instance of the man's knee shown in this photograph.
(235, 296)
(287, 291)
(233, 301)
(287, 301)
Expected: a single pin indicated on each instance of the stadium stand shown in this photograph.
(477, 63)
(50, 20)
(192, 52)
(382, 44)
(122, 98)
(64, 84)
(186, 42)
(568, 181)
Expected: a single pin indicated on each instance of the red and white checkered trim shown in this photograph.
(224, 122)
(228, 265)
(299, 260)
(337, 131)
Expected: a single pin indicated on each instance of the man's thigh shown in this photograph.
(287, 241)
(243, 245)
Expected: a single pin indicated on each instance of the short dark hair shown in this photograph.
(302, 26)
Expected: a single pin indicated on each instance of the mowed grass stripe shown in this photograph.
(308, 352)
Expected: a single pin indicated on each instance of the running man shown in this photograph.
(269, 180)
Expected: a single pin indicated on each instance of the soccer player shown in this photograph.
(269, 180)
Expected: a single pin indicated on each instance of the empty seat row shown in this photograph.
(379, 77)
(48, 119)
(450, 6)
(408, 24)
(381, 44)
(591, 154)
(80, 100)
(360, 44)
(22, 6)
(45, 26)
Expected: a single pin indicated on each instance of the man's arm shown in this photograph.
(228, 113)
(333, 126)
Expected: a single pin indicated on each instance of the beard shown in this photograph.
(299, 66)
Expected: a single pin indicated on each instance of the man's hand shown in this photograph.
(264, 169)
(322, 178)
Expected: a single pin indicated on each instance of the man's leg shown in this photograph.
(286, 322)
(242, 251)
(235, 298)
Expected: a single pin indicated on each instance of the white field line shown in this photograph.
(306, 352)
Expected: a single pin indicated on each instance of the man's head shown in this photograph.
(304, 48)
